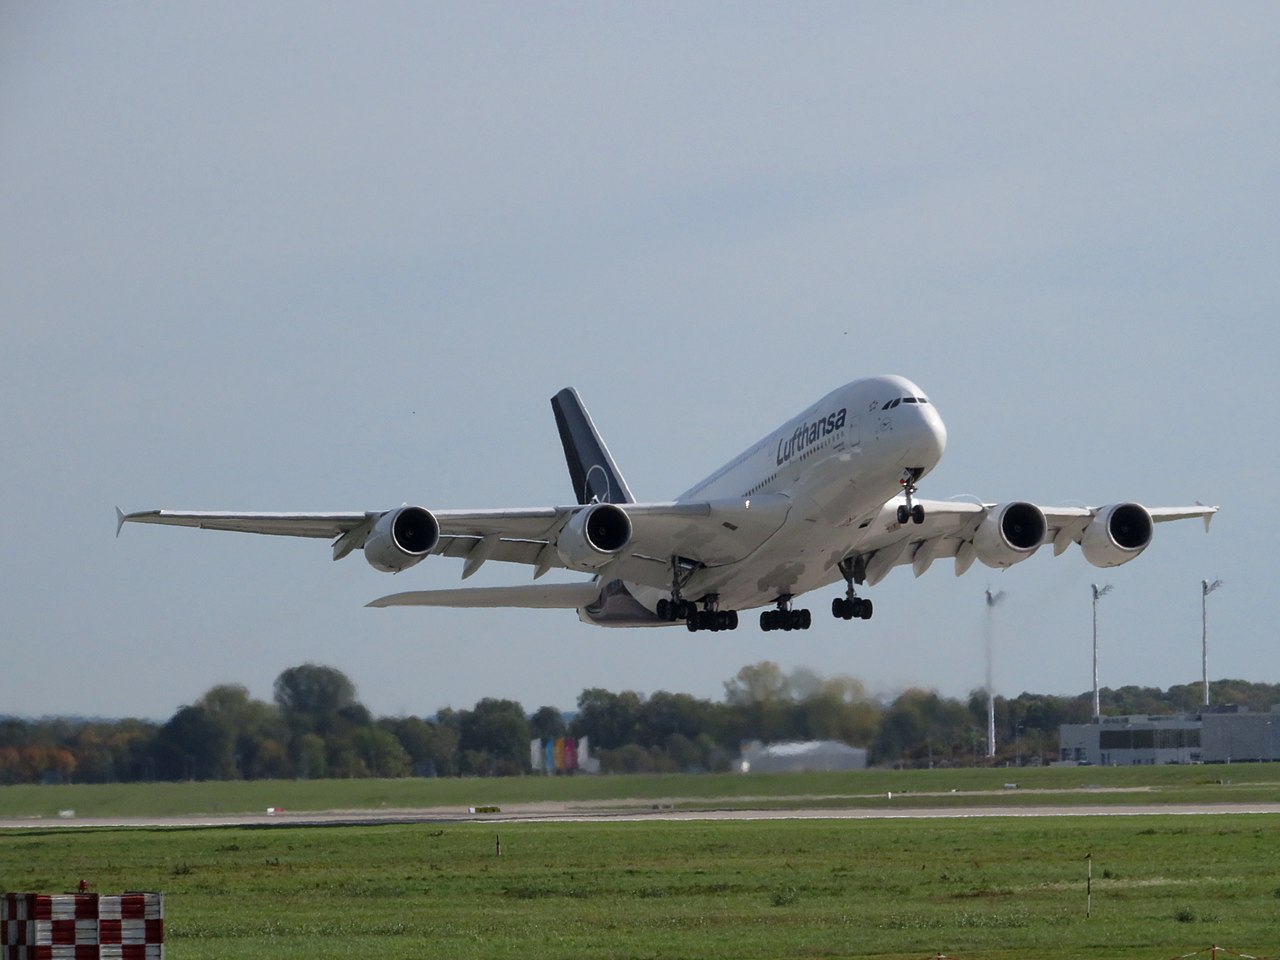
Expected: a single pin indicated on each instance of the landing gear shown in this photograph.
(784, 618)
(710, 618)
(851, 606)
(673, 610)
(909, 512)
(678, 608)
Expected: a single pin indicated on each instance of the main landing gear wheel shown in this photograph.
(851, 608)
(713, 620)
(784, 618)
(709, 618)
(673, 610)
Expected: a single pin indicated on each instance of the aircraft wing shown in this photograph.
(320, 525)
(707, 533)
(1003, 534)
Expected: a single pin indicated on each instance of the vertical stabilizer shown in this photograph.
(595, 476)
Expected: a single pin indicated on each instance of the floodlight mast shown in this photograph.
(1206, 588)
(1097, 593)
(992, 600)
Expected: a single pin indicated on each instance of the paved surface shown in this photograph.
(631, 812)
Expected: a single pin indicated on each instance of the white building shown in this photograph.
(1239, 736)
(1216, 735)
(1123, 741)
(806, 757)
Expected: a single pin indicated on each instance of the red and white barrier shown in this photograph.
(85, 926)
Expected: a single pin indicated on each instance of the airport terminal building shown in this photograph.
(1215, 735)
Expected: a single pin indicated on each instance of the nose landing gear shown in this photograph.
(909, 512)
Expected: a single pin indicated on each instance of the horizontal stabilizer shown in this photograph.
(549, 596)
(319, 525)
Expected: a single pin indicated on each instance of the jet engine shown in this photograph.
(594, 536)
(1116, 534)
(1009, 533)
(401, 538)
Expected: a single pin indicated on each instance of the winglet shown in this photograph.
(119, 520)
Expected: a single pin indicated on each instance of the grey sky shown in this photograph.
(299, 256)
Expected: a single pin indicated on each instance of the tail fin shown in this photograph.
(595, 476)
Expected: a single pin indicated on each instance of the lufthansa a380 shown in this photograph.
(828, 497)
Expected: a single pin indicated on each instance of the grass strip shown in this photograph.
(986, 888)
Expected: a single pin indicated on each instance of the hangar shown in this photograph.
(806, 757)
(1227, 734)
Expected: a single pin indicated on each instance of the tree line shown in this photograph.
(315, 727)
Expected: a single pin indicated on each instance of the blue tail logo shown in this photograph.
(591, 468)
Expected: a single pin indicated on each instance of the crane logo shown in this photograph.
(596, 487)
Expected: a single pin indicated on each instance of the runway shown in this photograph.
(566, 813)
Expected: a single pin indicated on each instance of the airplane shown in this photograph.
(830, 496)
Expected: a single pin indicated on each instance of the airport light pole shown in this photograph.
(1097, 593)
(1206, 588)
(993, 599)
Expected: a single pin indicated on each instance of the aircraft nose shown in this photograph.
(929, 439)
(938, 431)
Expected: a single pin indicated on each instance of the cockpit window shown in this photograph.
(892, 403)
(908, 399)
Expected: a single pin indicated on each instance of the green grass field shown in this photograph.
(987, 887)
(994, 887)
(1170, 784)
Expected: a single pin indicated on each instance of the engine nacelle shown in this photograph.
(1009, 533)
(1117, 534)
(401, 538)
(594, 536)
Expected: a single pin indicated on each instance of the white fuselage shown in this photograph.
(838, 463)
